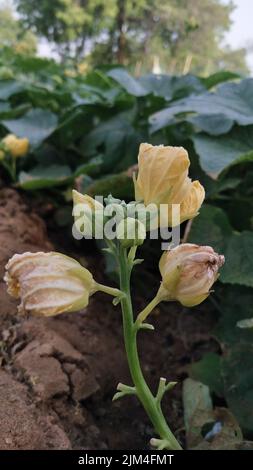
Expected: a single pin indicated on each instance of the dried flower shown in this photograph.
(48, 283)
(188, 273)
(163, 179)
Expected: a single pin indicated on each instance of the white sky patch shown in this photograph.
(241, 32)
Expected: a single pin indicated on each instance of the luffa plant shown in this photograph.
(51, 283)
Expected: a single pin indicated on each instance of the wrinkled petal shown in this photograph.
(163, 179)
(48, 283)
(188, 273)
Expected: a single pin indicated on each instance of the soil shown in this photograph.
(58, 375)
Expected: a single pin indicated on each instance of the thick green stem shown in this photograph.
(149, 402)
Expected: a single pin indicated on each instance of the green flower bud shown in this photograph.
(130, 232)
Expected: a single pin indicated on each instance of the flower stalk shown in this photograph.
(143, 392)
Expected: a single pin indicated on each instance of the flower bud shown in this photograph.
(163, 179)
(188, 273)
(48, 283)
(88, 213)
(15, 146)
(130, 232)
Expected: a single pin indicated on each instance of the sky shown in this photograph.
(241, 33)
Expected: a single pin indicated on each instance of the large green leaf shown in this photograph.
(236, 363)
(235, 305)
(237, 369)
(214, 124)
(218, 153)
(219, 77)
(9, 88)
(89, 168)
(171, 87)
(208, 371)
(117, 140)
(212, 228)
(130, 84)
(36, 125)
(120, 186)
(238, 268)
(44, 177)
(233, 100)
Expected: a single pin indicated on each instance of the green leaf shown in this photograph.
(9, 88)
(214, 124)
(36, 125)
(208, 371)
(44, 177)
(217, 154)
(237, 343)
(237, 367)
(120, 186)
(89, 168)
(219, 77)
(235, 305)
(171, 87)
(238, 268)
(117, 140)
(130, 84)
(211, 227)
(233, 100)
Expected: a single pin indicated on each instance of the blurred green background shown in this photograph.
(122, 72)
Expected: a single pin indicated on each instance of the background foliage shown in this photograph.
(85, 131)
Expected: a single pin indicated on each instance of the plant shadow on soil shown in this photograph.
(58, 375)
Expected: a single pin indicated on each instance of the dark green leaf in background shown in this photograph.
(44, 177)
(36, 125)
(216, 154)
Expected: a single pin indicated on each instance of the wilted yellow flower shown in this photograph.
(84, 208)
(163, 179)
(190, 206)
(48, 283)
(188, 273)
(17, 147)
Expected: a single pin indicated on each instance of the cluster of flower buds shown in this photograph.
(50, 283)
(14, 146)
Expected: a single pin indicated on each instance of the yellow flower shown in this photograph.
(188, 273)
(84, 208)
(15, 146)
(163, 179)
(193, 201)
(48, 283)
